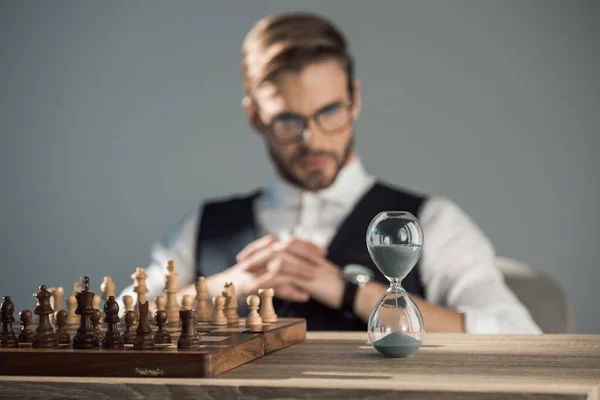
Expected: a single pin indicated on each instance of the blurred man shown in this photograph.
(298, 234)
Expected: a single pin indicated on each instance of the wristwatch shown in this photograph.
(355, 276)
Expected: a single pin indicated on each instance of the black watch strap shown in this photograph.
(349, 296)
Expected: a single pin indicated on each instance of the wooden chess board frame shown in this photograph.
(222, 348)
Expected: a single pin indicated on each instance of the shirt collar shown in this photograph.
(350, 184)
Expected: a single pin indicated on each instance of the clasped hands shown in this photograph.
(297, 271)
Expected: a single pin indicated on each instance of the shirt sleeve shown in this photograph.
(458, 270)
(178, 245)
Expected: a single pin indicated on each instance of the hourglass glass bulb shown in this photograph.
(394, 241)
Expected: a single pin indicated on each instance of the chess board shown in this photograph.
(222, 348)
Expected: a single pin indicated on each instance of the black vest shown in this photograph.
(226, 226)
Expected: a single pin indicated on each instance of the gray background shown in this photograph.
(118, 117)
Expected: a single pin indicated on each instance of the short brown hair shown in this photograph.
(290, 42)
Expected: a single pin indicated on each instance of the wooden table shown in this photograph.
(343, 365)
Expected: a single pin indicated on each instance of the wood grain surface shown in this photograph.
(221, 349)
(344, 365)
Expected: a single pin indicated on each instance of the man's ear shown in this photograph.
(252, 114)
(356, 99)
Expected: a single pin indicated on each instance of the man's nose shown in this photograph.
(311, 137)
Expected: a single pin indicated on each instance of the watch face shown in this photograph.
(357, 274)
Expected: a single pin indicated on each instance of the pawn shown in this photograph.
(219, 318)
(96, 324)
(8, 338)
(189, 339)
(160, 303)
(253, 320)
(60, 317)
(72, 318)
(26, 334)
(128, 303)
(129, 333)
(112, 339)
(187, 302)
(162, 335)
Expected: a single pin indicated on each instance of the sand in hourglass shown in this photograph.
(397, 344)
(395, 261)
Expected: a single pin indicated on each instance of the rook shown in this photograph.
(188, 340)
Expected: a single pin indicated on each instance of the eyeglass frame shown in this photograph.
(305, 120)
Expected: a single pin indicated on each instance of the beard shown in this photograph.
(315, 180)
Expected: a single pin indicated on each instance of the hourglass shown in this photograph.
(394, 241)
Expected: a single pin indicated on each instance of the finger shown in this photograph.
(306, 250)
(258, 260)
(291, 293)
(284, 287)
(254, 246)
(289, 264)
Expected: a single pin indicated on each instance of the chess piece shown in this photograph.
(60, 318)
(160, 303)
(253, 320)
(171, 287)
(202, 309)
(143, 336)
(267, 312)
(162, 335)
(394, 241)
(44, 336)
(187, 302)
(112, 339)
(188, 339)
(26, 334)
(86, 337)
(231, 305)
(96, 302)
(72, 318)
(56, 301)
(128, 303)
(139, 287)
(8, 338)
(129, 333)
(107, 287)
(96, 316)
(219, 318)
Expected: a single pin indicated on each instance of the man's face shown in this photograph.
(307, 119)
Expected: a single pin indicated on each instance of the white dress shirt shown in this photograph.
(457, 266)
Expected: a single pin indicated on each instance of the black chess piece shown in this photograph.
(44, 336)
(26, 334)
(86, 337)
(143, 336)
(129, 333)
(188, 339)
(60, 317)
(8, 338)
(112, 339)
(162, 335)
(96, 317)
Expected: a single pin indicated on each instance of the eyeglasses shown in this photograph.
(332, 119)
